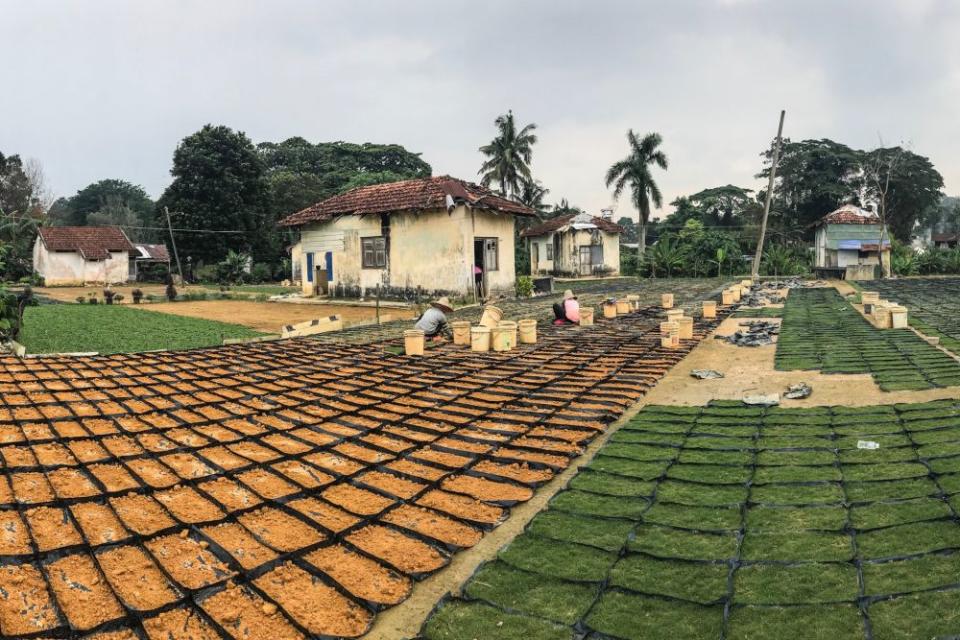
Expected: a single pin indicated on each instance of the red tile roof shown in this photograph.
(556, 223)
(945, 237)
(407, 195)
(849, 214)
(93, 243)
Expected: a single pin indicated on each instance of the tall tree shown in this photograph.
(221, 195)
(634, 171)
(508, 156)
(23, 207)
(101, 195)
(902, 186)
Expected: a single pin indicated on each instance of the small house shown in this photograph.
(81, 255)
(848, 246)
(574, 245)
(945, 240)
(146, 255)
(427, 236)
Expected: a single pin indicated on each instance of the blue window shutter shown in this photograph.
(329, 266)
(310, 267)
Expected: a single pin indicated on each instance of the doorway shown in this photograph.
(479, 272)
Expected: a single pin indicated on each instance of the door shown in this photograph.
(310, 267)
(586, 264)
(535, 258)
(329, 261)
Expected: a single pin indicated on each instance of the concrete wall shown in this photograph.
(432, 250)
(567, 258)
(69, 268)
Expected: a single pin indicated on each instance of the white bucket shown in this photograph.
(586, 317)
(709, 309)
(480, 338)
(461, 332)
(491, 316)
(528, 331)
(413, 342)
(504, 337)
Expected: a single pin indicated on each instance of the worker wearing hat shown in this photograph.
(567, 311)
(433, 322)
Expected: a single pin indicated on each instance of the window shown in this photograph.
(374, 252)
(596, 255)
(490, 254)
(549, 246)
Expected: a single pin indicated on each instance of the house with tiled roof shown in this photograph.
(438, 235)
(82, 255)
(574, 245)
(847, 244)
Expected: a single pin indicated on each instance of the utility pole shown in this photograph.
(173, 242)
(766, 205)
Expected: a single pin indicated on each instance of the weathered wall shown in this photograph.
(432, 250)
(567, 259)
(69, 268)
(543, 264)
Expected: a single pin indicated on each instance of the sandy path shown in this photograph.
(270, 316)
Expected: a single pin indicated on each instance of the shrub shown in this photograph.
(524, 286)
(171, 290)
(233, 269)
(260, 272)
(108, 296)
(81, 299)
(206, 273)
(137, 296)
(118, 298)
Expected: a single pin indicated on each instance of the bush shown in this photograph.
(260, 272)
(206, 273)
(108, 296)
(785, 260)
(137, 296)
(233, 269)
(118, 298)
(171, 290)
(524, 286)
(81, 299)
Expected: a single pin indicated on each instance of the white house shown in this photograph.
(574, 245)
(439, 235)
(848, 244)
(81, 255)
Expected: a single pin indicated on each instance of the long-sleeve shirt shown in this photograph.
(433, 322)
(571, 309)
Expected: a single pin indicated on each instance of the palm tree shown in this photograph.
(532, 193)
(634, 170)
(508, 156)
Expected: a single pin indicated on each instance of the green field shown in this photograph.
(742, 523)
(59, 328)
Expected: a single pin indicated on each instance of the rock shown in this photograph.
(269, 608)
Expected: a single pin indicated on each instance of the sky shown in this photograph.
(96, 89)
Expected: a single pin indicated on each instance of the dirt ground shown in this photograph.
(270, 316)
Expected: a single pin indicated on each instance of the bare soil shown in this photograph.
(269, 317)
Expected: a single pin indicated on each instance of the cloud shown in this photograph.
(108, 89)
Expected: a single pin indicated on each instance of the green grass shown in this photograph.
(635, 617)
(511, 588)
(781, 545)
(458, 620)
(702, 583)
(116, 329)
(810, 583)
(268, 289)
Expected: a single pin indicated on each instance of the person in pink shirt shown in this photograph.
(568, 311)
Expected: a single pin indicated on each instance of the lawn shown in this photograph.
(735, 522)
(823, 331)
(933, 303)
(58, 328)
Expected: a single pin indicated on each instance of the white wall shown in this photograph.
(69, 267)
(429, 249)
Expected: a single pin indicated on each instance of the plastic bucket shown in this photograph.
(673, 314)
(413, 342)
(669, 328)
(623, 307)
(586, 317)
(686, 328)
(666, 300)
(504, 337)
(480, 338)
(609, 310)
(461, 332)
(491, 316)
(870, 297)
(898, 317)
(727, 296)
(709, 309)
(528, 331)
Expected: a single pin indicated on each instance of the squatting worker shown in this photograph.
(433, 322)
(568, 311)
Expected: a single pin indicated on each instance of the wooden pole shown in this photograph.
(766, 205)
(173, 242)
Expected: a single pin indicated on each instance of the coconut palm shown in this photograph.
(634, 171)
(508, 156)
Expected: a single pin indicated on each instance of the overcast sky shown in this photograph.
(99, 89)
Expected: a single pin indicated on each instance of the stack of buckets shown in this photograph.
(883, 314)
(494, 332)
(732, 295)
(677, 327)
(709, 309)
